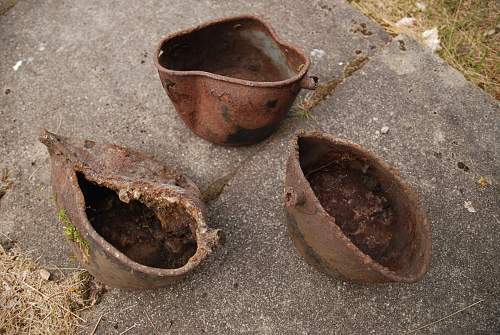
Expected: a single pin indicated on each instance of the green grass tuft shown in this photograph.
(72, 233)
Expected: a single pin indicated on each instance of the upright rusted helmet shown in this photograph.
(231, 80)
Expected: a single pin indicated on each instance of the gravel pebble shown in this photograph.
(44, 274)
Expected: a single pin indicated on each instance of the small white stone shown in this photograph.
(317, 53)
(44, 274)
(420, 6)
(405, 22)
(17, 65)
(431, 39)
(341, 63)
(25, 274)
(469, 207)
(384, 130)
(490, 32)
(377, 132)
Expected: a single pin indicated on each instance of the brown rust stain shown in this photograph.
(225, 113)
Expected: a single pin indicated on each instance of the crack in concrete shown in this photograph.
(216, 187)
(325, 89)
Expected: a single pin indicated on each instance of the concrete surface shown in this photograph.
(85, 72)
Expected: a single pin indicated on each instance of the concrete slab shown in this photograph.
(86, 78)
(87, 70)
(443, 137)
(258, 284)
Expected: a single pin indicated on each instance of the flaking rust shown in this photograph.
(232, 81)
(350, 214)
(132, 222)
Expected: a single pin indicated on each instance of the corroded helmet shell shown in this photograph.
(132, 221)
(231, 80)
(351, 214)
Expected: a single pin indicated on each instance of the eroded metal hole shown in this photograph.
(160, 237)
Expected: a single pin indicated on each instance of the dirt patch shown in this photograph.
(5, 182)
(361, 27)
(161, 239)
(352, 195)
(6, 5)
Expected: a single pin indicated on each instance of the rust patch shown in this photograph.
(271, 103)
(225, 113)
(309, 254)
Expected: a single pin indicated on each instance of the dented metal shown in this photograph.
(231, 80)
(132, 222)
(350, 215)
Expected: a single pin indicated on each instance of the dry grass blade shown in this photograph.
(32, 305)
(152, 324)
(128, 329)
(97, 324)
(443, 318)
(56, 304)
